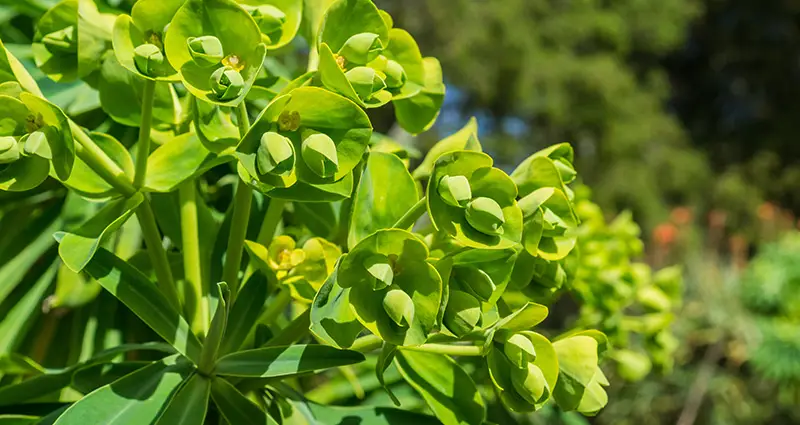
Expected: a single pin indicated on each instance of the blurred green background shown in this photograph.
(683, 112)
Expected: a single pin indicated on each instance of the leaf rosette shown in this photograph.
(139, 39)
(473, 202)
(394, 291)
(215, 45)
(309, 140)
(33, 134)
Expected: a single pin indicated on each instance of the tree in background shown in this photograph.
(584, 71)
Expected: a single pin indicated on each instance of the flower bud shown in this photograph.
(227, 83)
(519, 350)
(275, 154)
(530, 384)
(475, 281)
(149, 59)
(462, 314)
(319, 153)
(35, 144)
(486, 216)
(395, 74)
(270, 20)
(365, 81)
(455, 190)
(206, 50)
(62, 40)
(361, 48)
(9, 150)
(379, 266)
(399, 306)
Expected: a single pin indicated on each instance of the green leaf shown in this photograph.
(418, 113)
(530, 315)
(501, 369)
(285, 361)
(304, 192)
(198, 18)
(77, 249)
(137, 398)
(418, 279)
(190, 403)
(346, 18)
(59, 64)
(12, 70)
(179, 160)
(244, 313)
(86, 182)
(235, 407)
(486, 182)
(465, 139)
(121, 95)
(216, 331)
(17, 364)
(36, 387)
(147, 23)
(73, 290)
(14, 270)
(90, 378)
(577, 361)
(142, 296)
(446, 387)
(56, 128)
(551, 167)
(293, 9)
(335, 415)
(332, 319)
(376, 204)
(18, 420)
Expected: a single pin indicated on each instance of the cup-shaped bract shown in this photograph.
(482, 273)
(361, 84)
(9, 149)
(481, 224)
(275, 154)
(320, 261)
(206, 50)
(319, 154)
(524, 369)
(55, 42)
(462, 313)
(549, 167)
(361, 48)
(242, 50)
(42, 136)
(550, 223)
(455, 190)
(143, 32)
(399, 319)
(278, 20)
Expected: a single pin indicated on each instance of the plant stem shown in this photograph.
(271, 220)
(411, 216)
(367, 343)
(448, 349)
(293, 332)
(276, 307)
(192, 266)
(99, 162)
(239, 221)
(148, 94)
(158, 256)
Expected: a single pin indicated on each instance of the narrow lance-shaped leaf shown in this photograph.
(445, 386)
(77, 249)
(137, 398)
(235, 407)
(190, 403)
(332, 319)
(285, 361)
(142, 296)
(217, 330)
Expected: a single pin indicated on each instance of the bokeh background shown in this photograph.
(684, 113)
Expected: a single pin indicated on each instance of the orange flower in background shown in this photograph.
(717, 218)
(767, 211)
(681, 215)
(665, 234)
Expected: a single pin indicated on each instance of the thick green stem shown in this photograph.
(293, 332)
(411, 216)
(148, 94)
(271, 220)
(240, 219)
(99, 162)
(448, 349)
(276, 306)
(158, 256)
(367, 343)
(192, 266)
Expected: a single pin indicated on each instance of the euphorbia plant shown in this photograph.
(285, 245)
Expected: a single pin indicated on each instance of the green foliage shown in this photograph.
(327, 249)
